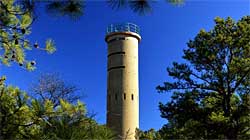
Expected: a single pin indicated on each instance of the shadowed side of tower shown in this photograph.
(123, 82)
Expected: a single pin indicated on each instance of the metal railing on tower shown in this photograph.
(123, 27)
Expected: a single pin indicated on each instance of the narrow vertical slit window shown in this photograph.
(109, 96)
(124, 96)
(132, 96)
(115, 96)
(109, 101)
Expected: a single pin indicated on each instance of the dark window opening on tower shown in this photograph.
(132, 96)
(121, 38)
(109, 101)
(114, 39)
(115, 96)
(109, 96)
(124, 96)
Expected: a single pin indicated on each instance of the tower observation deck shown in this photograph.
(123, 80)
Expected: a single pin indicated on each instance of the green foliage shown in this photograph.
(50, 46)
(176, 2)
(15, 26)
(141, 7)
(148, 135)
(211, 90)
(15, 115)
(205, 120)
(22, 117)
(74, 9)
(2, 79)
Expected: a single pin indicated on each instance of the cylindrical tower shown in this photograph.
(123, 82)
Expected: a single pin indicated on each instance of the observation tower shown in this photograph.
(123, 82)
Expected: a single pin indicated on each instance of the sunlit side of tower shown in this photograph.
(123, 82)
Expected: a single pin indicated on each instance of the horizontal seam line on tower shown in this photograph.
(117, 67)
(115, 53)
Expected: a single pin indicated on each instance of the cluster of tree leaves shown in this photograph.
(211, 90)
(24, 117)
(141, 7)
(150, 134)
(16, 19)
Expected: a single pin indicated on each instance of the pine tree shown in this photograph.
(23, 117)
(211, 90)
(15, 26)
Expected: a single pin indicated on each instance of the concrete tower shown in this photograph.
(123, 83)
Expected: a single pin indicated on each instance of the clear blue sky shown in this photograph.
(82, 52)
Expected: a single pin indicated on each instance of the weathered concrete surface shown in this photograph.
(123, 84)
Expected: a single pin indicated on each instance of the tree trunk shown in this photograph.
(228, 105)
(231, 132)
(224, 104)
